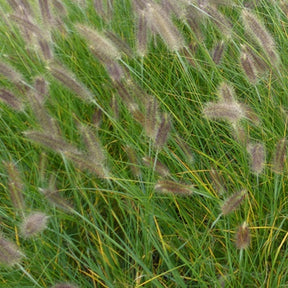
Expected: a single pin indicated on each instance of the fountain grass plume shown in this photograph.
(257, 155)
(259, 32)
(15, 186)
(160, 168)
(67, 78)
(11, 100)
(10, 254)
(172, 187)
(160, 22)
(33, 224)
(101, 44)
(280, 154)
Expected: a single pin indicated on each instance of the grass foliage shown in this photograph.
(196, 88)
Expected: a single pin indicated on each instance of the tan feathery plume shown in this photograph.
(54, 142)
(258, 60)
(243, 237)
(15, 186)
(52, 194)
(25, 23)
(189, 156)
(248, 67)
(41, 89)
(11, 100)
(10, 254)
(226, 93)
(257, 155)
(83, 162)
(69, 80)
(217, 181)
(10, 73)
(45, 12)
(280, 155)
(218, 51)
(160, 168)
(97, 117)
(134, 165)
(99, 43)
(163, 131)
(219, 19)
(45, 49)
(141, 35)
(233, 202)
(171, 187)
(93, 145)
(232, 112)
(160, 22)
(33, 224)
(151, 117)
(261, 35)
(120, 44)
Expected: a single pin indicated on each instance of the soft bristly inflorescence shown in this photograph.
(15, 186)
(33, 224)
(233, 202)
(160, 168)
(10, 254)
(257, 155)
(11, 100)
(160, 22)
(280, 154)
(98, 42)
(258, 31)
(243, 238)
(67, 78)
(232, 112)
(172, 187)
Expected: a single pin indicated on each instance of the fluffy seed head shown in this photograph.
(232, 112)
(69, 80)
(171, 187)
(260, 34)
(15, 186)
(93, 145)
(160, 168)
(10, 73)
(11, 100)
(280, 156)
(257, 155)
(134, 165)
(218, 51)
(233, 202)
(54, 197)
(160, 22)
(226, 93)
(99, 43)
(248, 67)
(141, 38)
(243, 238)
(163, 131)
(9, 253)
(33, 224)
